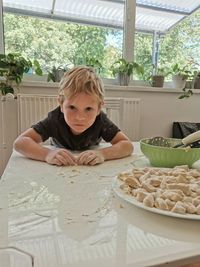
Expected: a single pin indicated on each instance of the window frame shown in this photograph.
(2, 46)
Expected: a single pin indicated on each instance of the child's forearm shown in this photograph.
(119, 150)
(29, 148)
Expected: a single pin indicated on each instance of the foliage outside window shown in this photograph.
(179, 45)
(55, 43)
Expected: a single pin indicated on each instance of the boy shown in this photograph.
(76, 125)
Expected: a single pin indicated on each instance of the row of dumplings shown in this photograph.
(176, 190)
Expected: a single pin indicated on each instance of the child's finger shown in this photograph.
(56, 162)
(83, 157)
(67, 158)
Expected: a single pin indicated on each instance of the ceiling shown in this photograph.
(151, 15)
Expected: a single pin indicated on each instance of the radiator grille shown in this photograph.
(32, 108)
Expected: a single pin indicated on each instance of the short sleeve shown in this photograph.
(109, 129)
(43, 128)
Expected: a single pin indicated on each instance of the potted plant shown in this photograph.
(90, 62)
(56, 73)
(180, 75)
(124, 69)
(158, 76)
(12, 68)
(196, 80)
(94, 63)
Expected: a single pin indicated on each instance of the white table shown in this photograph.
(70, 217)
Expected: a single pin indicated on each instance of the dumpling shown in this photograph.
(132, 182)
(174, 195)
(148, 187)
(140, 195)
(149, 201)
(161, 204)
(170, 203)
(185, 188)
(190, 208)
(179, 208)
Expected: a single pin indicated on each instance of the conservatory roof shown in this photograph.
(151, 15)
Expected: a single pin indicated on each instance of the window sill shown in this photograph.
(111, 87)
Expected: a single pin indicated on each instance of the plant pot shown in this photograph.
(58, 75)
(123, 79)
(189, 84)
(178, 81)
(197, 83)
(158, 80)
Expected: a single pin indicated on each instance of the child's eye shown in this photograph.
(89, 109)
(71, 107)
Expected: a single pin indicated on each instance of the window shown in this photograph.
(76, 31)
(181, 43)
(143, 52)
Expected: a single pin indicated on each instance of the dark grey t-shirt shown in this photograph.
(55, 126)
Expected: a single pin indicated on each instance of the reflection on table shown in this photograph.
(70, 217)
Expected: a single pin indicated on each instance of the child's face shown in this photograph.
(80, 112)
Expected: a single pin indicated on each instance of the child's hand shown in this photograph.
(90, 157)
(60, 157)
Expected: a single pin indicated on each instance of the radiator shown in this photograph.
(130, 119)
(33, 108)
(125, 112)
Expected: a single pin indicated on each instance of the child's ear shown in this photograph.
(100, 107)
(60, 101)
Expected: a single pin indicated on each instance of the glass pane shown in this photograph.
(56, 43)
(181, 44)
(143, 53)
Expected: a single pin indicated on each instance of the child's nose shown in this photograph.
(80, 115)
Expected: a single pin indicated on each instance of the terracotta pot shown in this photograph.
(158, 80)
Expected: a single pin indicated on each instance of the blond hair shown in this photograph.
(81, 79)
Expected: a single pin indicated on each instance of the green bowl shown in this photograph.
(169, 157)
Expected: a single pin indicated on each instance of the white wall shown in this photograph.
(161, 107)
